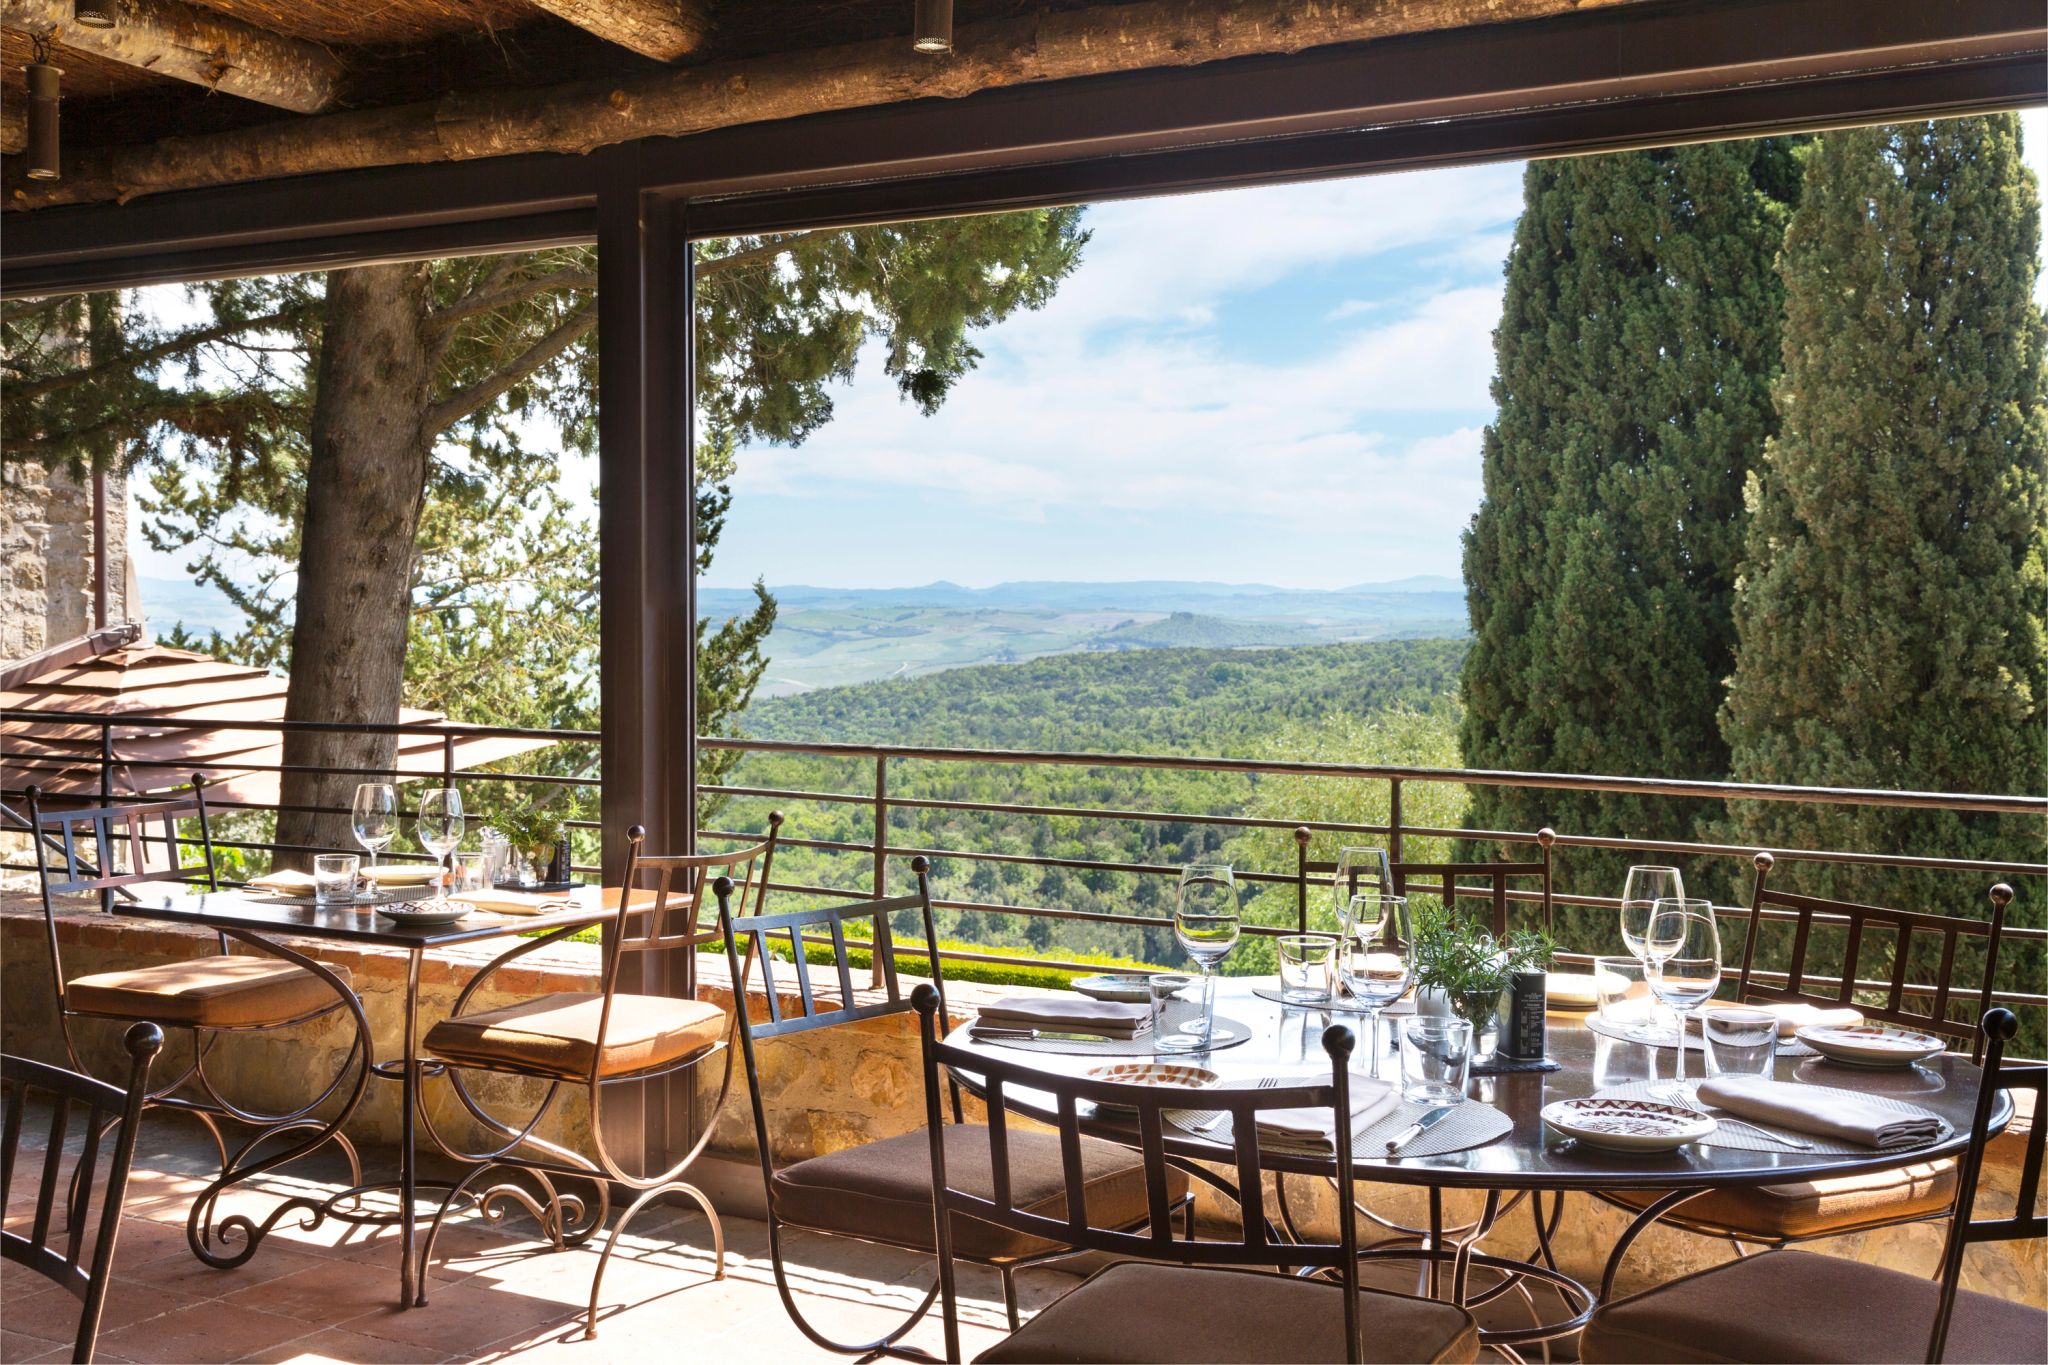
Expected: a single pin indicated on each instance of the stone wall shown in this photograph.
(46, 554)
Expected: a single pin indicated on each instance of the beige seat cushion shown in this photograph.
(206, 992)
(1136, 1311)
(556, 1035)
(1816, 1208)
(883, 1191)
(1799, 1306)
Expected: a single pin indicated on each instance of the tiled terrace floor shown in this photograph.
(330, 1293)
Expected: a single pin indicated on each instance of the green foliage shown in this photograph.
(1638, 337)
(1891, 612)
(1454, 955)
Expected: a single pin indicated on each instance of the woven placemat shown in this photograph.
(1665, 1036)
(1336, 1005)
(396, 896)
(1144, 1045)
(1739, 1135)
(1497, 1065)
(1470, 1124)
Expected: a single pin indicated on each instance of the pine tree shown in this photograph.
(1890, 612)
(1637, 341)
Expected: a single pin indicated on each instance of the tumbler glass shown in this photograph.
(1436, 1057)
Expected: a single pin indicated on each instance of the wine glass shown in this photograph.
(1374, 959)
(1359, 869)
(375, 815)
(1205, 921)
(1646, 885)
(440, 826)
(1684, 967)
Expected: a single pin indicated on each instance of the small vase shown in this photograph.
(1482, 1009)
(1432, 1003)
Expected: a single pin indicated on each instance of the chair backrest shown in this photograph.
(801, 931)
(1864, 927)
(104, 1108)
(1453, 883)
(1965, 1228)
(1253, 1246)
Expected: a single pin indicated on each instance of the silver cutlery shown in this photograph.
(993, 1033)
(1677, 1095)
(1418, 1128)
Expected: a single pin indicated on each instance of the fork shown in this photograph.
(1678, 1095)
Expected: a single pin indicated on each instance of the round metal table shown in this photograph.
(1529, 1160)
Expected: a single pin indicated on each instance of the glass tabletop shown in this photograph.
(258, 912)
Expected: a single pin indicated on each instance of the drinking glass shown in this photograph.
(1620, 985)
(1740, 1040)
(1358, 869)
(469, 872)
(1685, 961)
(1436, 1056)
(440, 826)
(1206, 924)
(1305, 968)
(1646, 885)
(376, 821)
(1168, 991)
(1376, 968)
(334, 878)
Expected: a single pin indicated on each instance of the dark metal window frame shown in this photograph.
(1636, 75)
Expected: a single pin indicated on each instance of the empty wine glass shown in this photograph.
(440, 826)
(1205, 921)
(375, 815)
(1685, 962)
(1359, 869)
(1646, 885)
(1374, 960)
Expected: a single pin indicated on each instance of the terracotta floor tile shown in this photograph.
(202, 1333)
(184, 1274)
(337, 1344)
(53, 1314)
(324, 1293)
(463, 1319)
(17, 1346)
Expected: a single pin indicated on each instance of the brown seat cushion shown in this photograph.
(883, 1191)
(1816, 1208)
(1801, 1306)
(1137, 1311)
(557, 1034)
(206, 992)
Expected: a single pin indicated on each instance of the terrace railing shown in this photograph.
(875, 854)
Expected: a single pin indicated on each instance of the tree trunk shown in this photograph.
(365, 485)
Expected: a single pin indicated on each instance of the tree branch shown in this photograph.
(468, 307)
(739, 260)
(133, 360)
(454, 408)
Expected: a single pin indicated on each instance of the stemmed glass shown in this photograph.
(440, 827)
(1685, 962)
(375, 815)
(1374, 963)
(1646, 885)
(1205, 921)
(1359, 869)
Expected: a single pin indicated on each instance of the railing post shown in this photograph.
(106, 799)
(1301, 838)
(880, 875)
(447, 759)
(1394, 819)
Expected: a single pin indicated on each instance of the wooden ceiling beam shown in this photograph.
(661, 29)
(178, 40)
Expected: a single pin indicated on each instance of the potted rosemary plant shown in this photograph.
(533, 832)
(1467, 970)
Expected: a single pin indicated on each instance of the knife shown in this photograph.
(1418, 1128)
(993, 1032)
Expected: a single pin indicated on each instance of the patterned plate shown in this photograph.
(425, 914)
(1128, 989)
(1165, 1075)
(1870, 1044)
(1620, 1125)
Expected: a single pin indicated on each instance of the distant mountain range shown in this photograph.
(1216, 599)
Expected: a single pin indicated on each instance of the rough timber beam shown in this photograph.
(661, 29)
(174, 39)
(588, 115)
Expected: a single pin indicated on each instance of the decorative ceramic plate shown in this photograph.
(401, 874)
(1130, 990)
(425, 914)
(1573, 990)
(1620, 1125)
(1164, 1075)
(1871, 1044)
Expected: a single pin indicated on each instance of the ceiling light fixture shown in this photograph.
(934, 31)
(44, 91)
(96, 13)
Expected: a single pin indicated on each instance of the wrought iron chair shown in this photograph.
(1214, 1303)
(589, 1042)
(106, 849)
(1838, 1309)
(1776, 1215)
(85, 1276)
(881, 1192)
(1451, 882)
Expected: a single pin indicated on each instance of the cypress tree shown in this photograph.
(1637, 342)
(1889, 619)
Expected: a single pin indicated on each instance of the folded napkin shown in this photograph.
(1068, 1013)
(403, 874)
(513, 902)
(1794, 1015)
(1314, 1129)
(286, 881)
(1821, 1111)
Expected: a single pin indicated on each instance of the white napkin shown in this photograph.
(1820, 1111)
(513, 902)
(403, 874)
(1315, 1130)
(1069, 1013)
(284, 880)
(1794, 1015)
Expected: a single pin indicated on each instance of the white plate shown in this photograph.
(1163, 1075)
(1125, 988)
(398, 874)
(1871, 1044)
(427, 914)
(1620, 1125)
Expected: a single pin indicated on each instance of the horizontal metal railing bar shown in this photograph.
(1076, 864)
(789, 794)
(1815, 981)
(456, 729)
(1730, 850)
(786, 841)
(1057, 812)
(1641, 786)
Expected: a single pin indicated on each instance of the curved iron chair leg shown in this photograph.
(619, 1230)
(880, 1346)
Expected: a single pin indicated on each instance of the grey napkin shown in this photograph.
(1821, 1111)
(1075, 1013)
(1314, 1129)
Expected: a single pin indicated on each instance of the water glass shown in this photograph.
(497, 856)
(1740, 1041)
(1684, 968)
(1205, 923)
(374, 816)
(1305, 968)
(334, 877)
(1359, 869)
(440, 823)
(1173, 1012)
(1436, 1057)
(469, 872)
(1621, 994)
